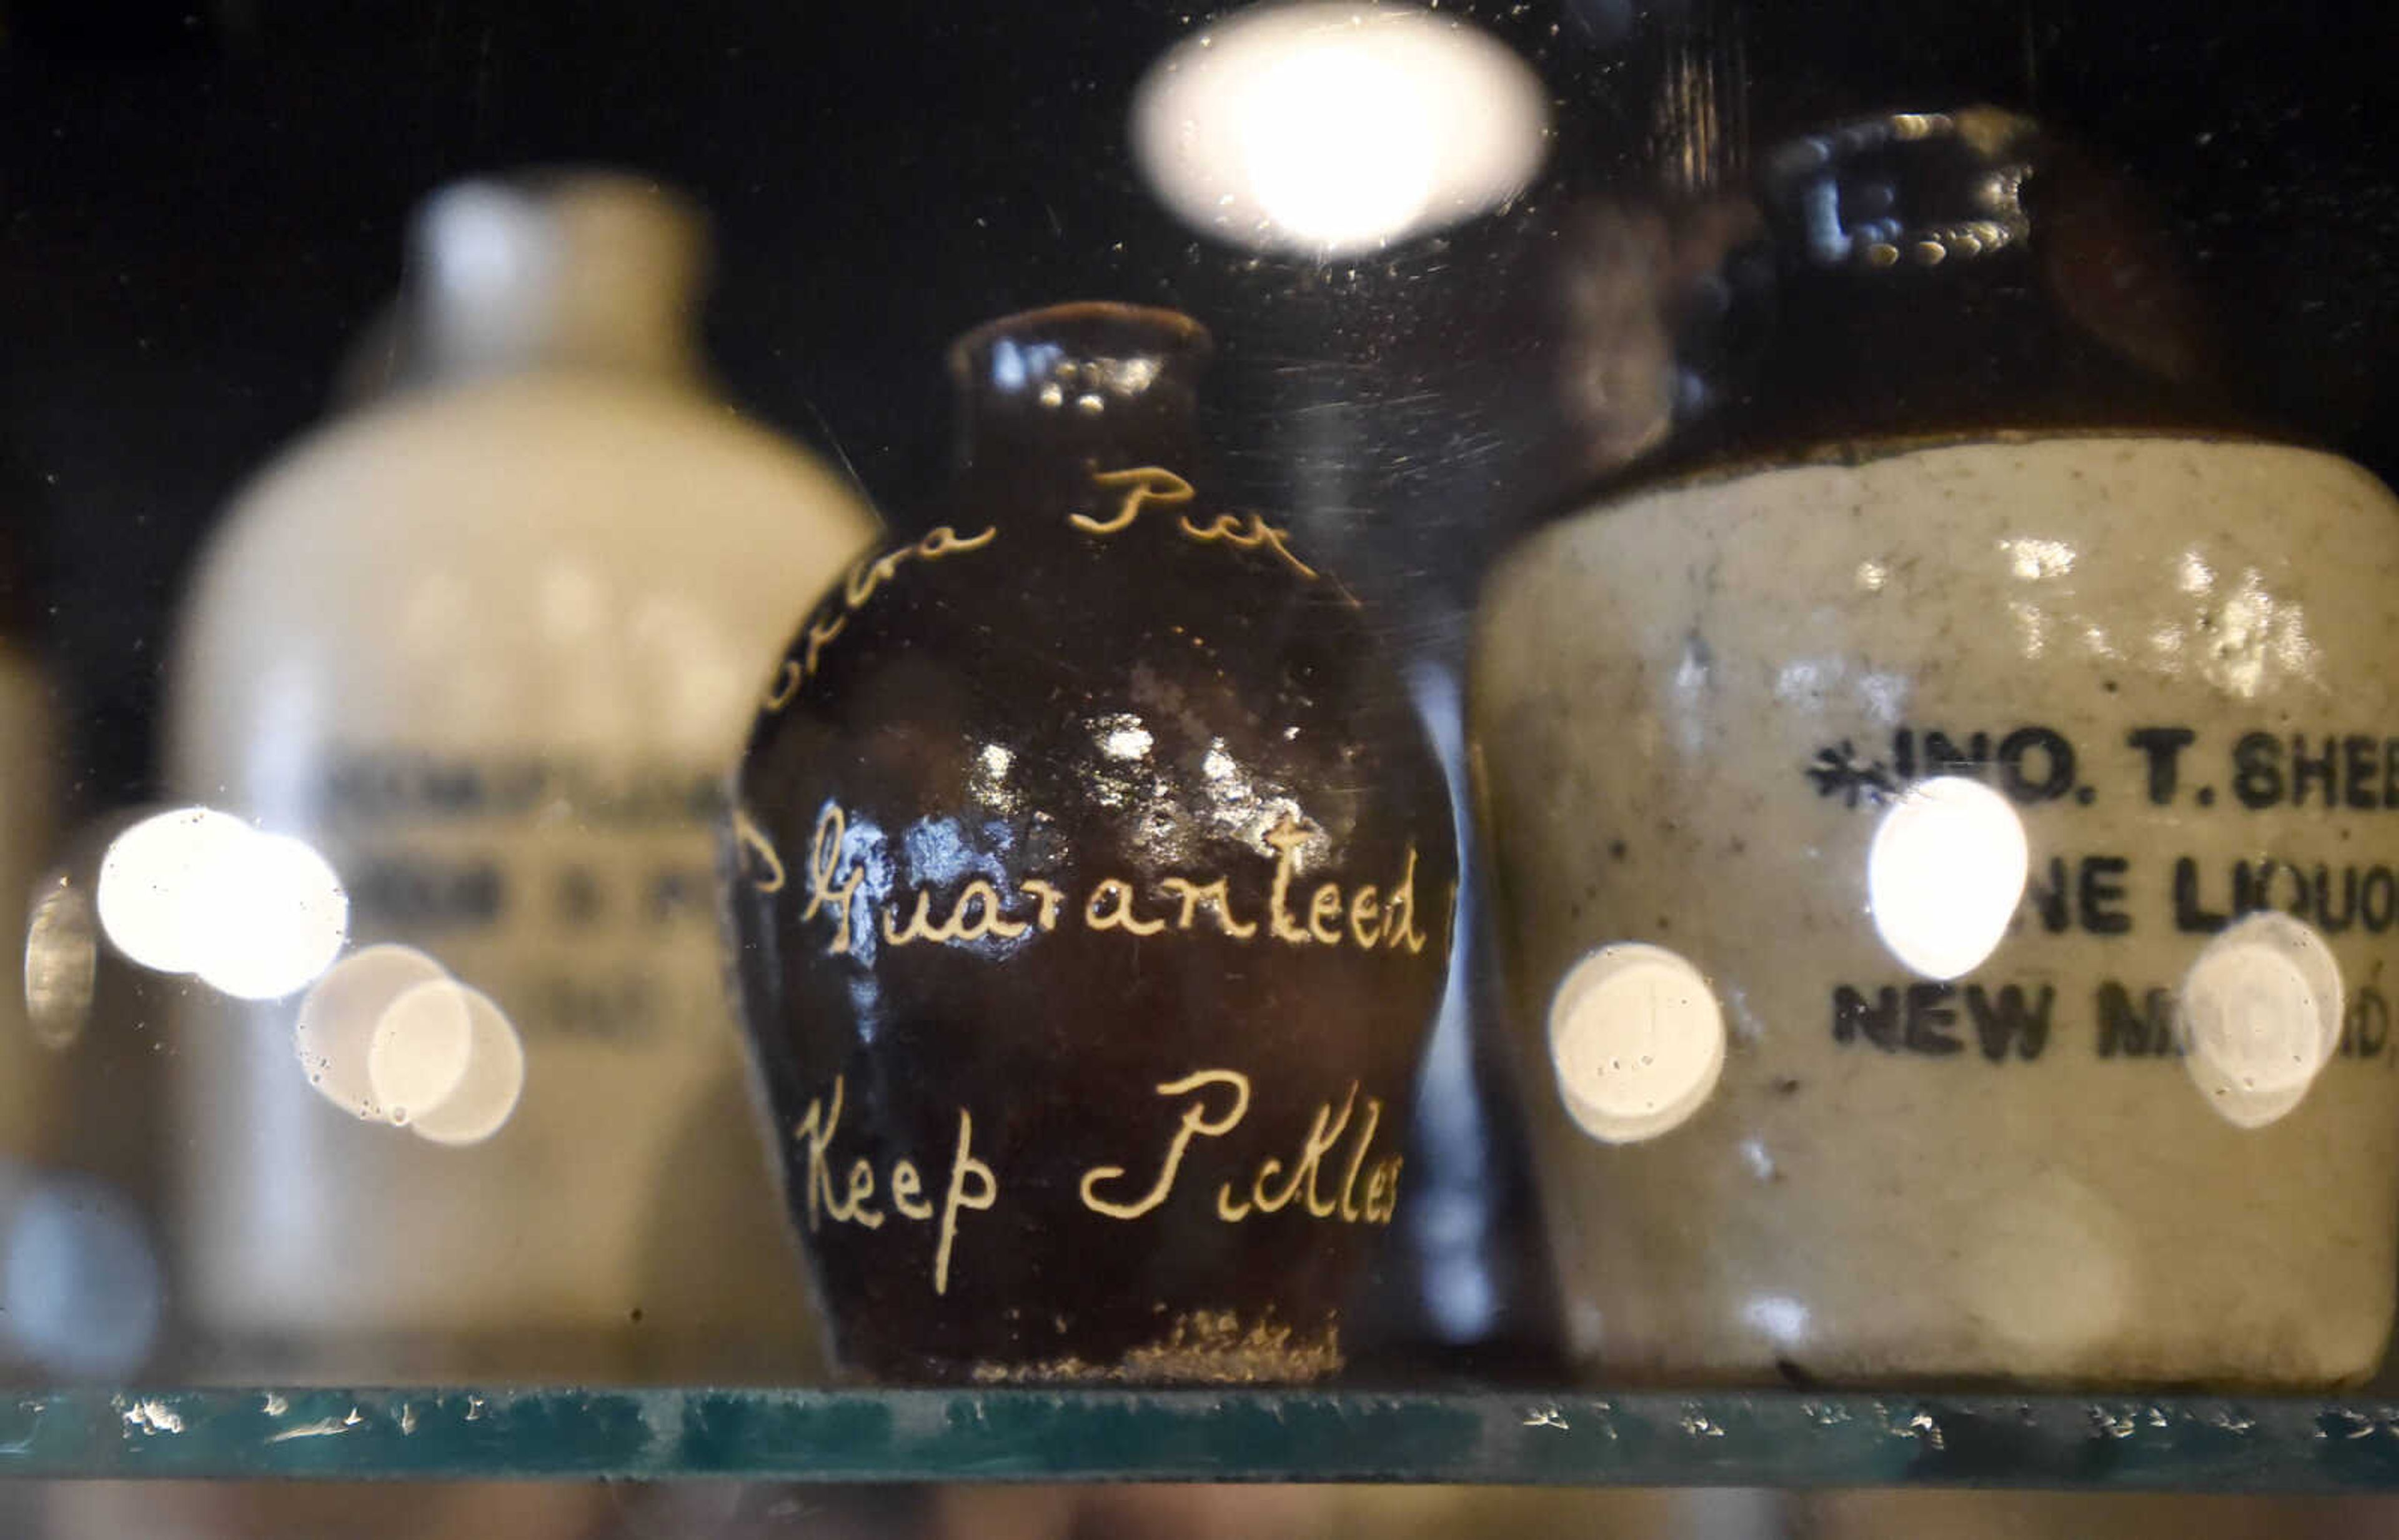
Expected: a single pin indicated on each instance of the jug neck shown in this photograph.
(1962, 270)
(587, 271)
(1049, 398)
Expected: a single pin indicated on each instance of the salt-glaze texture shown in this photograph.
(2068, 1151)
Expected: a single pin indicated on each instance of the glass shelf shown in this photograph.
(1719, 1438)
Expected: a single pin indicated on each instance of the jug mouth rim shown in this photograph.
(1172, 328)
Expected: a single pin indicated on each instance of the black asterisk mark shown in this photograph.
(1839, 772)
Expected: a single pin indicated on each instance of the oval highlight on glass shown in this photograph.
(2260, 1014)
(1637, 1041)
(423, 1046)
(277, 921)
(335, 1030)
(1330, 129)
(61, 961)
(157, 880)
(490, 1080)
(1945, 875)
(193, 890)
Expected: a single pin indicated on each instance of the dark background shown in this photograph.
(201, 207)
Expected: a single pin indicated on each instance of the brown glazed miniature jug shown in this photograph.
(1092, 878)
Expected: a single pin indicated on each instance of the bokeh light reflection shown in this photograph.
(490, 1082)
(388, 1035)
(336, 1028)
(1329, 130)
(193, 890)
(422, 1046)
(1637, 1040)
(157, 881)
(1944, 874)
(277, 921)
(2260, 1013)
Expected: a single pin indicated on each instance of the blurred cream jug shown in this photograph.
(484, 648)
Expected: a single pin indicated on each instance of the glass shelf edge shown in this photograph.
(1788, 1438)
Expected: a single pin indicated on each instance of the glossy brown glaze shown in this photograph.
(1093, 888)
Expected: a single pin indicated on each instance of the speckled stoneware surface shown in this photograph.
(1094, 882)
(1948, 896)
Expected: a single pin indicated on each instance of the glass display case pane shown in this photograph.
(1230, 727)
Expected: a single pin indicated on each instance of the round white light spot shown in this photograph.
(278, 919)
(198, 891)
(1343, 152)
(491, 1084)
(335, 1029)
(1637, 1040)
(158, 882)
(2261, 1012)
(1330, 129)
(1944, 874)
(420, 1050)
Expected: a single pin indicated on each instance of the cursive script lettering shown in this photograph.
(824, 868)
(1110, 907)
(987, 1193)
(972, 1185)
(1334, 915)
(1218, 900)
(1143, 484)
(1374, 1205)
(1049, 897)
(865, 575)
(1196, 1122)
(1228, 528)
(907, 1190)
(976, 914)
(1321, 1136)
(1302, 1179)
(753, 841)
(1287, 837)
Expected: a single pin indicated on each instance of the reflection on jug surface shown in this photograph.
(486, 646)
